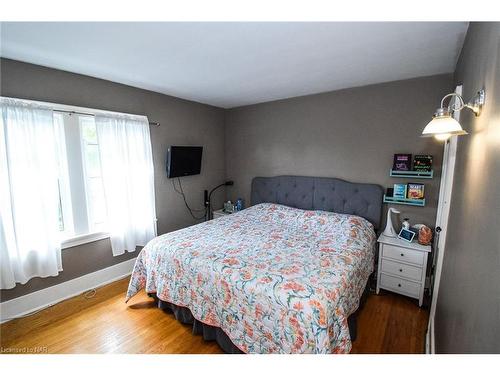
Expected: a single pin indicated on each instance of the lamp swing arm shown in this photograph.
(475, 104)
(453, 107)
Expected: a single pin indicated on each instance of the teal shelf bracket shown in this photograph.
(405, 201)
(412, 174)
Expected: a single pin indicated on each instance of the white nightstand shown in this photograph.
(219, 213)
(402, 267)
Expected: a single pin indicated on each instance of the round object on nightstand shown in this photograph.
(424, 235)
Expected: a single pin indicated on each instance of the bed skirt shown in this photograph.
(211, 333)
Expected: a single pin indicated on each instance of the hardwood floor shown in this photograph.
(387, 323)
(391, 323)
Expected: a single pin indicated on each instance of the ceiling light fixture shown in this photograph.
(443, 125)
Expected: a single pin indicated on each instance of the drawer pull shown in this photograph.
(400, 270)
(399, 285)
(402, 255)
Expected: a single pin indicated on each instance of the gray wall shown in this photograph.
(350, 134)
(182, 123)
(468, 307)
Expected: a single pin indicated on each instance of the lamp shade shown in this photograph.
(443, 123)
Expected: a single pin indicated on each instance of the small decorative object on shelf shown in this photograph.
(422, 163)
(402, 162)
(415, 191)
(424, 235)
(399, 191)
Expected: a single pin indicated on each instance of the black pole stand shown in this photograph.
(208, 199)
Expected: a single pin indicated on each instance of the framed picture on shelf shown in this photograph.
(399, 191)
(422, 163)
(402, 162)
(415, 191)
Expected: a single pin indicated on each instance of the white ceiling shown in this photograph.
(234, 64)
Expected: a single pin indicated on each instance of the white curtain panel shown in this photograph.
(29, 197)
(128, 178)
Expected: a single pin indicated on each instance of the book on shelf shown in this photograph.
(402, 162)
(422, 163)
(399, 191)
(415, 191)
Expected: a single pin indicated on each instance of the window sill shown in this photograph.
(83, 239)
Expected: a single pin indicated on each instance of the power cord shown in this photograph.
(87, 295)
(90, 293)
(191, 210)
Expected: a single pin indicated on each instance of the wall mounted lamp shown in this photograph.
(443, 125)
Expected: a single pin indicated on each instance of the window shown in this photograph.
(69, 176)
(82, 204)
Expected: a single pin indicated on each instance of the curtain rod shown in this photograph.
(92, 114)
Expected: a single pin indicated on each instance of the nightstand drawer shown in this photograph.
(403, 270)
(404, 255)
(399, 285)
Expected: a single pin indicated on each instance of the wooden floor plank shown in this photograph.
(387, 323)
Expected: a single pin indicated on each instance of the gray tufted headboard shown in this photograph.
(321, 193)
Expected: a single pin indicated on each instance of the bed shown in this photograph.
(282, 276)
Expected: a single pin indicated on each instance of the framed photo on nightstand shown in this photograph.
(406, 235)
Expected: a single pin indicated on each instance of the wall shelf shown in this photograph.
(406, 201)
(412, 174)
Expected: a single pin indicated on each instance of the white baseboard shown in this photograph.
(44, 298)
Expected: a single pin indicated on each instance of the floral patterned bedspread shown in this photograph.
(276, 279)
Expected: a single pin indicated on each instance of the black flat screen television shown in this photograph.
(183, 161)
